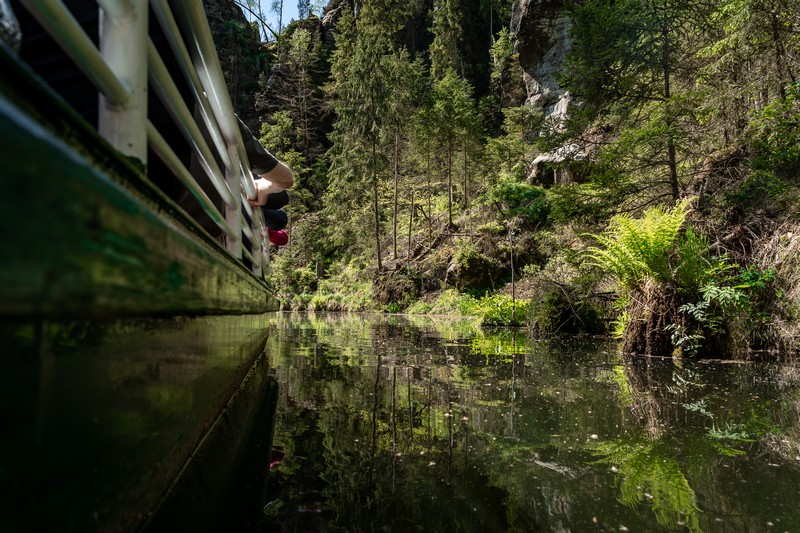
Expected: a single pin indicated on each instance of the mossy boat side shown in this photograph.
(86, 234)
(133, 370)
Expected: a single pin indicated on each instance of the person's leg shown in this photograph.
(275, 219)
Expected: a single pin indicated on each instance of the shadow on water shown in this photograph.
(408, 424)
(115, 425)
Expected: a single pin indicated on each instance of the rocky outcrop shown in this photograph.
(541, 29)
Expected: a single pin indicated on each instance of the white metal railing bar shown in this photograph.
(210, 113)
(256, 236)
(174, 163)
(206, 61)
(62, 26)
(247, 208)
(170, 95)
(246, 253)
(252, 234)
(170, 28)
(191, 16)
(118, 9)
(120, 70)
(247, 233)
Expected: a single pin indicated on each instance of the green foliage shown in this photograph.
(500, 310)
(660, 86)
(452, 302)
(472, 268)
(761, 189)
(509, 154)
(554, 313)
(634, 250)
(582, 202)
(444, 50)
(345, 289)
(519, 199)
(728, 304)
(716, 302)
(650, 473)
(493, 310)
(695, 266)
(500, 53)
(752, 53)
(775, 134)
(619, 324)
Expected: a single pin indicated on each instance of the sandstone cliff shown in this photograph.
(541, 29)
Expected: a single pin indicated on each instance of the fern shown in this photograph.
(633, 250)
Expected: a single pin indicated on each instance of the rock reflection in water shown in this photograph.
(406, 424)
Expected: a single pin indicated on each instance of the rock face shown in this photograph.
(541, 28)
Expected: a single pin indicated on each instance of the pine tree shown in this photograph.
(444, 52)
(406, 82)
(451, 114)
(626, 56)
(292, 95)
(754, 54)
(362, 85)
(303, 8)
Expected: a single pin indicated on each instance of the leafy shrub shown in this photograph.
(452, 302)
(554, 313)
(472, 268)
(521, 199)
(760, 188)
(775, 136)
(730, 305)
(419, 308)
(579, 201)
(500, 310)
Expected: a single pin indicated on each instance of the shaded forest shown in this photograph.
(614, 167)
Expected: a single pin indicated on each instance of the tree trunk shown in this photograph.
(450, 185)
(410, 225)
(394, 212)
(671, 156)
(465, 175)
(375, 209)
(779, 54)
(430, 195)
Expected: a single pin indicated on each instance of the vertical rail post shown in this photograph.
(233, 213)
(123, 44)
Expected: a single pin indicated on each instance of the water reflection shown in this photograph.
(102, 416)
(420, 424)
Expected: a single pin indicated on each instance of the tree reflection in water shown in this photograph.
(407, 424)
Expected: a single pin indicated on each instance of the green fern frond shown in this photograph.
(633, 250)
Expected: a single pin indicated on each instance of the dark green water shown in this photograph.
(397, 424)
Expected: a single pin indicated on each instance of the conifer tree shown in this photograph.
(303, 8)
(451, 114)
(362, 83)
(406, 82)
(754, 54)
(293, 96)
(444, 52)
(626, 55)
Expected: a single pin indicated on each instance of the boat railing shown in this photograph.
(127, 69)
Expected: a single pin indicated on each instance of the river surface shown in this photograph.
(389, 423)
